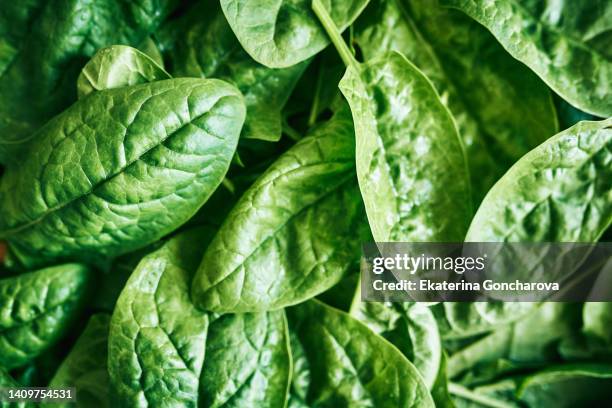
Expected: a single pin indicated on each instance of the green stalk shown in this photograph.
(334, 34)
(291, 132)
(314, 109)
(227, 183)
(468, 394)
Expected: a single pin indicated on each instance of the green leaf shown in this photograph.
(37, 309)
(346, 364)
(161, 348)
(157, 337)
(567, 44)
(46, 47)
(14, 21)
(465, 319)
(101, 177)
(150, 47)
(282, 33)
(501, 108)
(529, 341)
(248, 361)
(558, 192)
(202, 44)
(6, 381)
(285, 240)
(85, 367)
(579, 385)
(411, 327)
(597, 317)
(410, 162)
(118, 66)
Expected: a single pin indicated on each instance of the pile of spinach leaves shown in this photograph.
(186, 185)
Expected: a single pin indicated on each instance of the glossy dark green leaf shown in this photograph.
(285, 241)
(502, 109)
(14, 20)
(44, 50)
(411, 165)
(346, 364)
(37, 309)
(157, 337)
(248, 361)
(568, 44)
(202, 44)
(85, 367)
(281, 33)
(117, 66)
(120, 169)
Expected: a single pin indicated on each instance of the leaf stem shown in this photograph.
(334, 34)
(466, 393)
(314, 108)
(291, 132)
(227, 183)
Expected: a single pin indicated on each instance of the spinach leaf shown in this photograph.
(465, 319)
(348, 365)
(282, 33)
(285, 240)
(542, 199)
(567, 44)
(37, 309)
(411, 327)
(101, 176)
(157, 337)
(85, 368)
(202, 44)
(401, 132)
(230, 360)
(150, 47)
(248, 361)
(402, 129)
(558, 192)
(563, 386)
(597, 318)
(14, 20)
(6, 381)
(533, 340)
(46, 49)
(501, 108)
(117, 66)
(567, 386)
